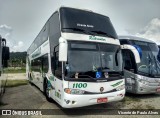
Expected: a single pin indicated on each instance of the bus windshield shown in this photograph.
(150, 58)
(88, 58)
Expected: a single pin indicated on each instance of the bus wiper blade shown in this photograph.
(87, 76)
(116, 56)
(157, 64)
(144, 73)
(150, 64)
(103, 33)
(102, 69)
(80, 30)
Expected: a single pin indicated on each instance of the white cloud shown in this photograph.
(6, 32)
(5, 27)
(18, 47)
(151, 31)
(123, 32)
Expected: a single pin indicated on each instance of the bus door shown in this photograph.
(44, 68)
(58, 76)
(129, 69)
(36, 71)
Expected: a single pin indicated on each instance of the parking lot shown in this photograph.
(30, 97)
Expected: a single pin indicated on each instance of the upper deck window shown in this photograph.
(80, 21)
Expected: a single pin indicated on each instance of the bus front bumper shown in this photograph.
(147, 89)
(72, 101)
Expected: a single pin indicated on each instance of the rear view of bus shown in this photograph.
(142, 77)
(85, 61)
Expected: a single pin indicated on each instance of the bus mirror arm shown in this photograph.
(116, 57)
(63, 47)
(134, 50)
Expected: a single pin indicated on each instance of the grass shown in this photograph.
(15, 70)
(136, 103)
(138, 106)
(131, 99)
(150, 107)
(15, 83)
(141, 106)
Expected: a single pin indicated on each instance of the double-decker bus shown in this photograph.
(4, 57)
(142, 77)
(76, 59)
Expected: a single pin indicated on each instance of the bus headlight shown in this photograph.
(74, 91)
(120, 88)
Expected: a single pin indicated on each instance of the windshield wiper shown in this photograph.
(80, 30)
(116, 56)
(144, 73)
(102, 68)
(157, 68)
(103, 33)
(150, 64)
(87, 77)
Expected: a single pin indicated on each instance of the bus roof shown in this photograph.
(87, 10)
(135, 38)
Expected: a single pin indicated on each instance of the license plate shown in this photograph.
(101, 100)
(158, 90)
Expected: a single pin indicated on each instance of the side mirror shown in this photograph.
(4, 40)
(63, 47)
(5, 56)
(5, 53)
(134, 50)
(116, 56)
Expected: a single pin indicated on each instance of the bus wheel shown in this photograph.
(29, 76)
(46, 90)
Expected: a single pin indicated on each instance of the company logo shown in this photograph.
(37, 53)
(85, 25)
(101, 89)
(116, 84)
(6, 112)
(96, 38)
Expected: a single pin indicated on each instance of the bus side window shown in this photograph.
(36, 65)
(129, 61)
(45, 65)
(58, 66)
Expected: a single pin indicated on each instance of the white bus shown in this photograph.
(142, 77)
(4, 57)
(76, 59)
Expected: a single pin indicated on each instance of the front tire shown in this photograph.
(30, 79)
(46, 90)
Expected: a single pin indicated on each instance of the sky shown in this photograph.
(22, 20)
